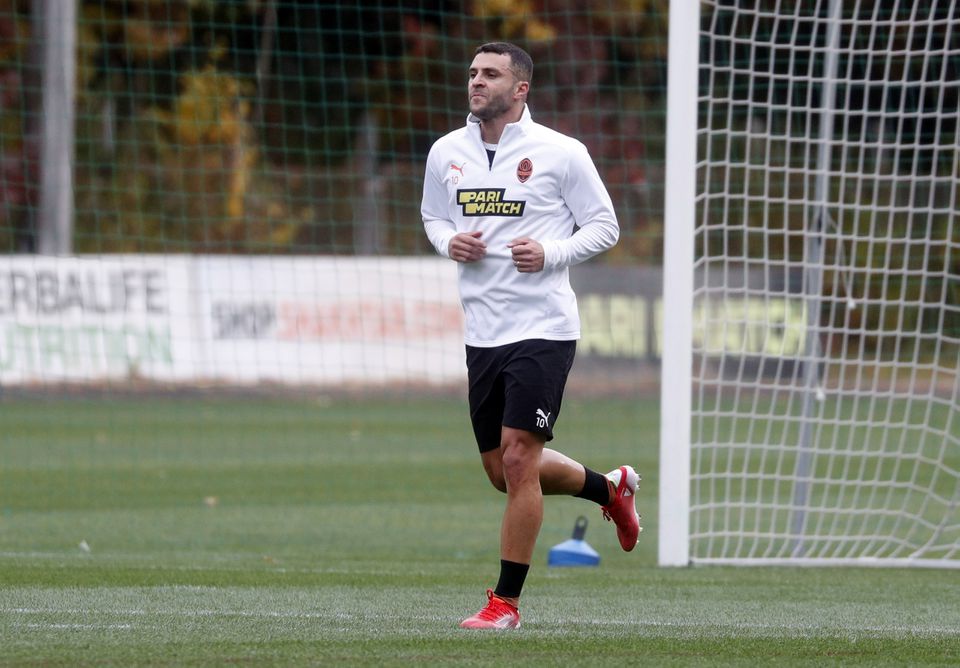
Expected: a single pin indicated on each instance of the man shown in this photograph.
(515, 204)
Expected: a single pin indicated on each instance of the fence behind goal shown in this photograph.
(825, 240)
(209, 193)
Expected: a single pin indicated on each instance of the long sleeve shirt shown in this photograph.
(541, 184)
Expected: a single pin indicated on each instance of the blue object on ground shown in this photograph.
(575, 551)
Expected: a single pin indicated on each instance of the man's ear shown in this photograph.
(523, 87)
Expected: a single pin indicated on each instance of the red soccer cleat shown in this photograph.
(622, 511)
(497, 614)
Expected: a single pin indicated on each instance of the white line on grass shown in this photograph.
(230, 565)
(725, 627)
(84, 627)
(763, 626)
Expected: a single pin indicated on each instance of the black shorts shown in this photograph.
(518, 385)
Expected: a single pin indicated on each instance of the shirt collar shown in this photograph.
(525, 119)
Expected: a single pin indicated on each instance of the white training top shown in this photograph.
(542, 185)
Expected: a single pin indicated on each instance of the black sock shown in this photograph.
(512, 576)
(596, 487)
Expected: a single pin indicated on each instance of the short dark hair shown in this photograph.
(521, 64)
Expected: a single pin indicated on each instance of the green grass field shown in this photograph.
(335, 531)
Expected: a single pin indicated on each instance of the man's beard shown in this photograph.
(496, 106)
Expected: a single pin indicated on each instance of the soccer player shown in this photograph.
(515, 204)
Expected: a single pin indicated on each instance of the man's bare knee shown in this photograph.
(520, 465)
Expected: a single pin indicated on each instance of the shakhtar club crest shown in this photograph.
(524, 170)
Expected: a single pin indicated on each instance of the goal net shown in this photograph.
(817, 275)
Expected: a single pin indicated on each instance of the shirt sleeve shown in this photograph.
(588, 200)
(434, 207)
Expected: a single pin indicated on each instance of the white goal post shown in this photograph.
(810, 388)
